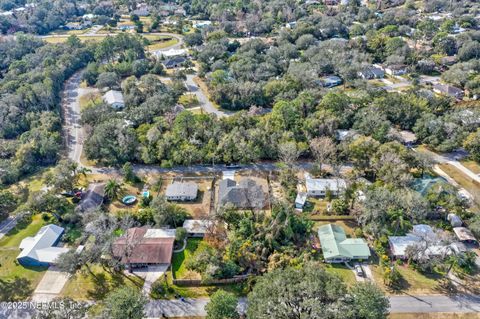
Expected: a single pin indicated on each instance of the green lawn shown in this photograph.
(17, 281)
(162, 44)
(179, 259)
(85, 286)
(343, 272)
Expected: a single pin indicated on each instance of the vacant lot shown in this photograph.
(470, 185)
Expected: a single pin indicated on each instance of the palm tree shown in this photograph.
(112, 189)
(398, 221)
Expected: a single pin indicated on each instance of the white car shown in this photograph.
(359, 270)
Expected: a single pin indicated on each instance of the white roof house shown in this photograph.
(170, 53)
(40, 249)
(319, 186)
(300, 200)
(114, 99)
(197, 227)
(420, 233)
(181, 191)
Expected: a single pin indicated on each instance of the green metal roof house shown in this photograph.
(338, 248)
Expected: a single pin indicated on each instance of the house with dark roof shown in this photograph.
(174, 62)
(371, 72)
(93, 197)
(448, 90)
(40, 250)
(247, 194)
(181, 191)
(331, 81)
(142, 246)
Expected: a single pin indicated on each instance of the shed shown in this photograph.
(454, 220)
(197, 227)
(300, 200)
(465, 235)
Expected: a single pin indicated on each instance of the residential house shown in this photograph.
(170, 53)
(407, 138)
(126, 27)
(423, 237)
(465, 235)
(40, 250)
(245, 195)
(318, 187)
(114, 99)
(142, 10)
(337, 248)
(142, 246)
(331, 2)
(371, 72)
(396, 69)
(92, 198)
(197, 227)
(448, 90)
(174, 62)
(181, 191)
(331, 81)
(291, 25)
(343, 135)
(201, 24)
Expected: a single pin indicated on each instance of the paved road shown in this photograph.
(7, 225)
(196, 307)
(205, 103)
(74, 134)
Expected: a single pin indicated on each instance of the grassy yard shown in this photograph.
(179, 259)
(472, 165)
(85, 286)
(471, 186)
(17, 281)
(413, 281)
(162, 44)
(343, 272)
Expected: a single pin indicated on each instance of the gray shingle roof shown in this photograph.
(246, 194)
(181, 189)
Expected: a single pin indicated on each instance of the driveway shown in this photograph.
(51, 285)
(150, 275)
(368, 276)
(205, 103)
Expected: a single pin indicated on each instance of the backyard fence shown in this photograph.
(212, 282)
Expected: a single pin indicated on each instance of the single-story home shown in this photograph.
(142, 246)
(247, 194)
(449, 90)
(181, 191)
(344, 135)
(93, 197)
(465, 235)
(319, 186)
(407, 138)
(114, 99)
(40, 250)
(337, 248)
(201, 24)
(170, 53)
(197, 227)
(174, 62)
(300, 200)
(396, 69)
(421, 234)
(371, 72)
(331, 81)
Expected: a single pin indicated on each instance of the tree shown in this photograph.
(68, 309)
(288, 152)
(167, 214)
(323, 149)
(128, 173)
(112, 189)
(311, 292)
(108, 80)
(369, 301)
(124, 303)
(64, 176)
(472, 145)
(222, 305)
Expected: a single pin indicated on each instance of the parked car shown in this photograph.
(359, 270)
